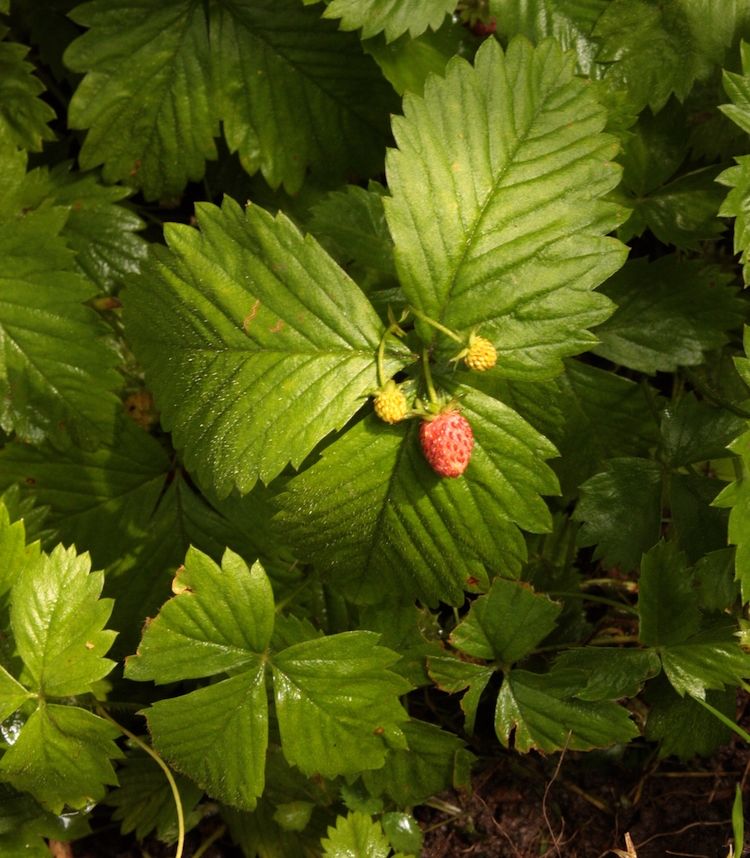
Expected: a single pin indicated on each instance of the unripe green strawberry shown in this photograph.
(447, 442)
(480, 354)
(390, 403)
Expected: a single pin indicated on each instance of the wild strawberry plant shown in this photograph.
(354, 354)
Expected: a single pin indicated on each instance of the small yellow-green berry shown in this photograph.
(390, 403)
(480, 354)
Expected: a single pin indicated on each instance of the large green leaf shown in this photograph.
(453, 674)
(506, 624)
(391, 16)
(57, 620)
(56, 373)
(669, 313)
(147, 98)
(542, 711)
(653, 48)
(62, 756)
(290, 92)
(667, 599)
(611, 672)
(372, 510)
(23, 115)
(495, 210)
(256, 343)
(335, 700)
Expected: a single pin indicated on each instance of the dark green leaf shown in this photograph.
(669, 313)
(508, 235)
(699, 527)
(667, 601)
(621, 511)
(391, 16)
(451, 674)
(335, 700)
(714, 579)
(506, 624)
(62, 756)
(542, 711)
(269, 346)
(693, 431)
(289, 92)
(150, 114)
(611, 673)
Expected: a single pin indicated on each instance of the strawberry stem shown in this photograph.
(447, 331)
(428, 376)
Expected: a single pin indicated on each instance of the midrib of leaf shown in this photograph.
(468, 243)
(273, 49)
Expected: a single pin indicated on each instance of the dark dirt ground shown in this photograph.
(564, 806)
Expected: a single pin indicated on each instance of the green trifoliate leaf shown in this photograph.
(58, 621)
(736, 496)
(255, 342)
(219, 621)
(669, 313)
(23, 115)
(621, 511)
(427, 767)
(506, 624)
(144, 802)
(611, 673)
(569, 21)
(399, 528)
(62, 756)
(390, 16)
(710, 659)
(289, 92)
(150, 114)
(102, 233)
(682, 725)
(545, 713)
(217, 735)
(653, 48)
(509, 235)
(737, 205)
(335, 701)
(12, 694)
(668, 601)
(356, 836)
(56, 374)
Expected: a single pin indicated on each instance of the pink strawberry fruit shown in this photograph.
(447, 442)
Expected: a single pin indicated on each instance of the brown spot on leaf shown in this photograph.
(251, 315)
(277, 327)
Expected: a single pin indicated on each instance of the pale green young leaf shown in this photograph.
(58, 622)
(144, 802)
(620, 511)
(669, 313)
(736, 496)
(737, 205)
(335, 699)
(667, 599)
(56, 374)
(389, 16)
(569, 21)
(62, 757)
(543, 712)
(372, 509)
(24, 117)
(411, 775)
(506, 624)
(356, 835)
(452, 674)
(12, 550)
(102, 233)
(12, 694)
(149, 111)
(255, 342)
(710, 659)
(496, 210)
(220, 620)
(611, 673)
(737, 87)
(218, 735)
(289, 92)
